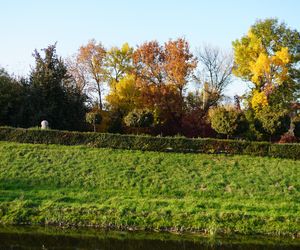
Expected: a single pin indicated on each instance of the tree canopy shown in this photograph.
(164, 88)
(268, 57)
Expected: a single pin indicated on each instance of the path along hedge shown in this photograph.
(150, 143)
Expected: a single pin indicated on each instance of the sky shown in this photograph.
(34, 24)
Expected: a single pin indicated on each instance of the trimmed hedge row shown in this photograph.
(149, 143)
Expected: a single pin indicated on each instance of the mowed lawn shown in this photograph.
(121, 189)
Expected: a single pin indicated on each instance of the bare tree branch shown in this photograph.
(214, 74)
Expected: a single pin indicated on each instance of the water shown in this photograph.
(26, 238)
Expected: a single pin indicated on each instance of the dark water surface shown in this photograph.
(57, 238)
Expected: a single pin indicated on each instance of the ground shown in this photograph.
(77, 185)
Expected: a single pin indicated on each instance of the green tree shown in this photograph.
(50, 95)
(227, 120)
(139, 118)
(11, 92)
(118, 63)
(274, 123)
(296, 122)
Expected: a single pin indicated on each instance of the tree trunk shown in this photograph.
(94, 124)
(99, 95)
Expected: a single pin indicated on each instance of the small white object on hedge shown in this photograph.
(44, 124)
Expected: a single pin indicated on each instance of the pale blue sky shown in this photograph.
(30, 24)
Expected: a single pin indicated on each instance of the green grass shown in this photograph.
(122, 189)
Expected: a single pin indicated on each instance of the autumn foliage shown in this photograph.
(166, 89)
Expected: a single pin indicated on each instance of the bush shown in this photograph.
(94, 117)
(296, 123)
(162, 144)
(139, 118)
(228, 120)
(255, 131)
(288, 138)
(115, 122)
(274, 123)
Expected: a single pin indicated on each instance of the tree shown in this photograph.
(172, 63)
(215, 74)
(155, 93)
(149, 59)
(296, 123)
(118, 63)
(195, 122)
(11, 92)
(162, 73)
(179, 63)
(93, 117)
(124, 95)
(139, 118)
(227, 120)
(50, 96)
(274, 123)
(79, 73)
(92, 58)
(267, 57)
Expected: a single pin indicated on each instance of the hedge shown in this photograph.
(150, 143)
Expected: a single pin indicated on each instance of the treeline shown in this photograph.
(48, 94)
(147, 88)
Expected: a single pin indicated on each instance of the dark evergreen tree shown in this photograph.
(10, 98)
(51, 95)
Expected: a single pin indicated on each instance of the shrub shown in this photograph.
(255, 131)
(139, 118)
(227, 120)
(162, 144)
(115, 122)
(93, 117)
(274, 123)
(288, 138)
(296, 123)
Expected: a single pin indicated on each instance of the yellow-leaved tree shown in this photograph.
(267, 57)
(124, 95)
(118, 63)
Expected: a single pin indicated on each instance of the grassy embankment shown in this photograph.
(73, 185)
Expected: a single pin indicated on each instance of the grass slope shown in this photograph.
(72, 185)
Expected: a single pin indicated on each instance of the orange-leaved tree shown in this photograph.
(162, 75)
(92, 58)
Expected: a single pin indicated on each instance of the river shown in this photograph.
(30, 238)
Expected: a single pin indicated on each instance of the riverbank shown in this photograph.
(134, 190)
